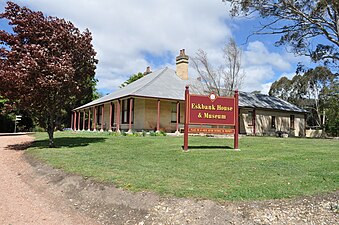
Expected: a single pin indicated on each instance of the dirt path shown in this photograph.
(19, 202)
(33, 193)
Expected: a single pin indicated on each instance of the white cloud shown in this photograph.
(263, 66)
(288, 75)
(256, 76)
(257, 54)
(265, 88)
(260, 65)
(123, 30)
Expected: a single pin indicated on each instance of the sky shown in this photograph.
(130, 35)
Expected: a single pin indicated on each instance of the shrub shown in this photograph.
(143, 133)
(123, 133)
(136, 134)
(38, 129)
(162, 133)
(115, 134)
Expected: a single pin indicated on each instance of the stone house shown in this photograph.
(157, 102)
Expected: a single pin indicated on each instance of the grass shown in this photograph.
(265, 168)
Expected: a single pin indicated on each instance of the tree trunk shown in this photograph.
(50, 132)
(323, 134)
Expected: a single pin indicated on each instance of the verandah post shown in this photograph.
(102, 117)
(95, 119)
(79, 118)
(130, 115)
(186, 118)
(178, 118)
(118, 117)
(89, 119)
(75, 121)
(72, 121)
(236, 122)
(158, 116)
(110, 117)
(254, 121)
(84, 120)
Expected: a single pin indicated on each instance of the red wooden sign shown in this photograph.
(211, 110)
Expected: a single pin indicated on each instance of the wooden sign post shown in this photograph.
(211, 110)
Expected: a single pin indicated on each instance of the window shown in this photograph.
(174, 112)
(273, 122)
(125, 111)
(250, 118)
(292, 121)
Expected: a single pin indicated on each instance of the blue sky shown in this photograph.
(130, 35)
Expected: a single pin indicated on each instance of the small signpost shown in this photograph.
(17, 118)
(211, 110)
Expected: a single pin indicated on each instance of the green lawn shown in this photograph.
(265, 168)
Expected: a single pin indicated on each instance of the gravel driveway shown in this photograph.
(22, 203)
(34, 193)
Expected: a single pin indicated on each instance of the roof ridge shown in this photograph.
(151, 81)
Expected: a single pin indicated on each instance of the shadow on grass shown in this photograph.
(69, 142)
(208, 147)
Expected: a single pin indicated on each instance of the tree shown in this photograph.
(316, 90)
(46, 65)
(224, 79)
(309, 27)
(131, 79)
(329, 104)
(8, 111)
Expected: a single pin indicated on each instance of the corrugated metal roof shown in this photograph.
(165, 84)
(162, 83)
(266, 102)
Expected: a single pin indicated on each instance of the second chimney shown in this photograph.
(182, 65)
(148, 71)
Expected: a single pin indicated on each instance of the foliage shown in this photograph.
(96, 94)
(331, 104)
(7, 122)
(38, 129)
(131, 79)
(333, 126)
(221, 80)
(163, 133)
(134, 133)
(309, 27)
(265, 168)
(317, 90)
(115, 133)
(46, 65)
(152, 133)
(8, 111)
(2, 102)
(6, 105)
(143, 133)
